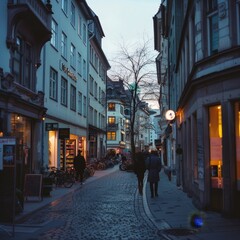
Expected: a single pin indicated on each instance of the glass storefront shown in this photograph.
(237, 135)
(215, 135)
(21, 129)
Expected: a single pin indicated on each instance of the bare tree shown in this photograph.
(135, 66)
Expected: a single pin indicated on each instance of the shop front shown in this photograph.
(224, 162)
(216, 159)
(63, 145)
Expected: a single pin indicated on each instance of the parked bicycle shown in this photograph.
(62, 178)
(89, 171)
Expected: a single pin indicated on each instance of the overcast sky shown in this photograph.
(124, 21)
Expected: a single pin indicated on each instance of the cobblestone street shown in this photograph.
(109, 208)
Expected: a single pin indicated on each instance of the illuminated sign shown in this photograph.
(170, 115)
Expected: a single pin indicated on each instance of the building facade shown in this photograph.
(116, 119)
(75, 69)
(203, 62)
(52, 84)
(26, 27)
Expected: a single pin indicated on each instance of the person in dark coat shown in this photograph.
(79, 166)
(140, 168)
(154, 165)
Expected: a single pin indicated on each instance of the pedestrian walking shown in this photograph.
(139, 169)
(79, 166)
(154, 165)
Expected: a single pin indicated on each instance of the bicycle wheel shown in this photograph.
(68, 181)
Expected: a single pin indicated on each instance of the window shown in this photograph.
(84, 33)
(73, 56)
(91, 115)
(64, 45)
(73, 98)
(23, 67)
(18, 61)
(28, 66)
(72, 14)
(64, 90)
(79, 64)
(84, 106)
(79, 29)
(111, 120)
(65, 6)
(53, 84)
(84, 70)
(80, 107)
(91, 85)
(111, 136)
(111, 106)
(99, 95)
(213, 26)
(95, 90)
(238, 21)
(95, 117)
(54, 30)
(212, 5)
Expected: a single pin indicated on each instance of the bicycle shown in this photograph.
(60, 177)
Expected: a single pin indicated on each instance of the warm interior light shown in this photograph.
(219, 121)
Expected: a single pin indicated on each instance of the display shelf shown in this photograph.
(69, 151)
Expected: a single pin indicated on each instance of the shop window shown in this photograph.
(215, 135)
(237, 134)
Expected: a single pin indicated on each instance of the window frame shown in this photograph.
(64, 45)
(54, 30)
(73, 15)
(64, 91)
(53, 84)
(112, 107)
(73, 96)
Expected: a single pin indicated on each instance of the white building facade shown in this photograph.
(74, 72)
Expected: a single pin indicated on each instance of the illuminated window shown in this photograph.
(237, 134)
(215, 135)
(111, 120)
(111, 107)
(111, 136)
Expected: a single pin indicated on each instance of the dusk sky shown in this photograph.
(124, 21)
